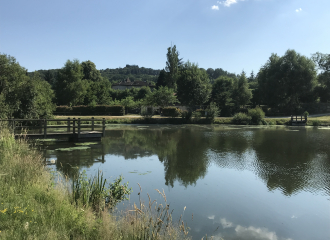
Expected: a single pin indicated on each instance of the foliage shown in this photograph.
(218, 72)
(186, 115)
(222, 93)
(306, 114)
(212, 111)
(194, 86)
(257, 115)
(134, 72)
(22, 96)
(146, 112)
(33, 207)
(323, 61)
(316, 123)
(94, 192)
(197, 115)
(241, 118)
(114, 110)
(241, 93)
(171, 112)
(284, 81)
(173, 65)
(162, 97)
(70, 88)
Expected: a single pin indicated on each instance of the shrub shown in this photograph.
(212, 111)
(187, 115)
(171, 112)
(201, 111)
(197, 115)
(316, 123)
(241, 118)
(257, 115)
(306, 114)
(146, 113)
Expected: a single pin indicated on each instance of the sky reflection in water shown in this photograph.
(238, 182)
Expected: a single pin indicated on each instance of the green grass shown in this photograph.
(33, 207)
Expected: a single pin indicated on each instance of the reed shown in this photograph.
(33, 207)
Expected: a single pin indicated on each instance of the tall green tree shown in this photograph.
(241, 94)
(161, 80)
(283, 81)
(162, 97)
(71, 89)
(20, 95)
(323, 62)
(173, 65)
(222, 92)
(98, 91)
(194, 86)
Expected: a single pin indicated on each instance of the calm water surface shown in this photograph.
(268, 183)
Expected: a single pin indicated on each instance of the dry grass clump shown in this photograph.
(152, 221)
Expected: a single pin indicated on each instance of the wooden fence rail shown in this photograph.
(42, 124)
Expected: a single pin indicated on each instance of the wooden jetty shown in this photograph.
(41, 129)
(298, 121)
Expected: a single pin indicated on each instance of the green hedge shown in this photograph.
(171, 112)
(115, 110)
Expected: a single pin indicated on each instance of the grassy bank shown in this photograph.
(32, 207)
(136, 119)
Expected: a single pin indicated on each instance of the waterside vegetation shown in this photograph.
(33, 207)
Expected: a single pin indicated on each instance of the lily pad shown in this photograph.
(86, 143)
(46, 140)
(71, 149)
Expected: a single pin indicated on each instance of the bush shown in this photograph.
(305, 114)
(316, 123)
(241, 118)
(187, 115)
(212, 111)
(146, 113)
(257, 115)
(197, 115)
(171, 112)
(201, 111)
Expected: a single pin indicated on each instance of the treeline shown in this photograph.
(133, 72)
(282, 85)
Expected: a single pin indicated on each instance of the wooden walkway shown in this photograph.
(41, 129)
(298, 121)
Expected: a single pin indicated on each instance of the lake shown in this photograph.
(235, 182)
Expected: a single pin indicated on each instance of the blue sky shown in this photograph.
(234, 35)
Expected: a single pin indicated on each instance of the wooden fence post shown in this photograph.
(92, 123)
(68, 123)
(78, 127)
(45, 128)
(74, 126)
(103, 127)
(40, 126)
(14, 126)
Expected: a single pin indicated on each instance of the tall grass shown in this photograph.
(32, 207)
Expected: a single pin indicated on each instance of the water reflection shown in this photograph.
(239, 182)
(288, 159)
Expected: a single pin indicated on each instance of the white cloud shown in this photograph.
(225, 223)
(227, 3)
(215, 7)
(298, 10)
